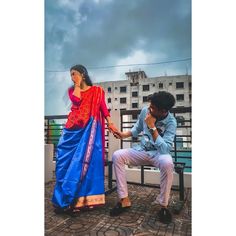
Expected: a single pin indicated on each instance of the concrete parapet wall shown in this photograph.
(153, 177)
(49, 163)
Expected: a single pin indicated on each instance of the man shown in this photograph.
(158, 127)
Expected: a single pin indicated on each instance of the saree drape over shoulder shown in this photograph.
(80, 152)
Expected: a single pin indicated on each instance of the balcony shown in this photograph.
(141, 218)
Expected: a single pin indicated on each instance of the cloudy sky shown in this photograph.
(103, 33)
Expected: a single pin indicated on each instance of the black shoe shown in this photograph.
(62, 210)
(164, 216)
(118, 209)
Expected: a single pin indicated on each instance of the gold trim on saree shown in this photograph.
(90, 200)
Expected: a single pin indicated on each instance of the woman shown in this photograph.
(80, 151)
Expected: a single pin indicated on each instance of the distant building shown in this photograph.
(133, 92)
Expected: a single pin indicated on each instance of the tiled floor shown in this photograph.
(140, 220)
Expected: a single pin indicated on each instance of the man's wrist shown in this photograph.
(151, 126)
(152, 130)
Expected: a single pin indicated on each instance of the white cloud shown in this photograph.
(137, 57)
(102, 1)
(70, 4)
(118, 73)
(56, 87)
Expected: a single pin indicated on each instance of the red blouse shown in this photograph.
(77, 101)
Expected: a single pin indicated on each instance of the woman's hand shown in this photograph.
(77, 80)
(112, 128)
(122, 135)
(119, 135)
(76, 77)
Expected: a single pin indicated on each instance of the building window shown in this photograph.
(109, 89)
(134, 116)
(115, 88)
(123, 89)
(123, 109)
(190, 85)
(135, 105)
(160, 85)
(134, 94)
(153, 85)
(180, 97)
(190, 97)
(170, 84)
(115, 99)
(109, 100)
(146, 87)
(179, 85)
(180, 120)
(122, 100)
(145, 98)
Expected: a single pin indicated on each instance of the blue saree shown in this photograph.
(80, 166)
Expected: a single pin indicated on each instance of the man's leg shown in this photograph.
(121, 158)
(166, 166)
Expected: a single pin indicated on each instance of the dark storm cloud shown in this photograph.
(99, 34)
(111, 32)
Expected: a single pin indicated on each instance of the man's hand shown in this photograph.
(150, 120)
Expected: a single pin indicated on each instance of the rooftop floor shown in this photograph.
(140, 220)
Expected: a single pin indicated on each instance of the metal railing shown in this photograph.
(53, 126)
(182, 142)
(53, 132)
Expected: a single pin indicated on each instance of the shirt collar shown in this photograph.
(165, 119)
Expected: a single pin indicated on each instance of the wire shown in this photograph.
(108, 67)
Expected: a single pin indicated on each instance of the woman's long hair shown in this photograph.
(83, 71)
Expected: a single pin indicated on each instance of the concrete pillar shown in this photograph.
(114, 144)
(49, 163)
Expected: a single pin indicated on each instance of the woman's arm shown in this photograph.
(76, 91)
(107, 115)
(75, 100)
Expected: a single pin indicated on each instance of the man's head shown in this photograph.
(160, 104)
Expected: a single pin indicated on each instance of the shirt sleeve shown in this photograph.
(164, 144)
(138, 127)
(75, 100)
(103, 106)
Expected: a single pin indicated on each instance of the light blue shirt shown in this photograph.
(166, 129)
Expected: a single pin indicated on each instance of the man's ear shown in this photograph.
(163, 111)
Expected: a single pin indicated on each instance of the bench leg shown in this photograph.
(179, 205)
(110, 175)
(110, 188)
(181, 186)
(142, 175)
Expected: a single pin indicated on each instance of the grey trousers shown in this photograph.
(133, 157)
